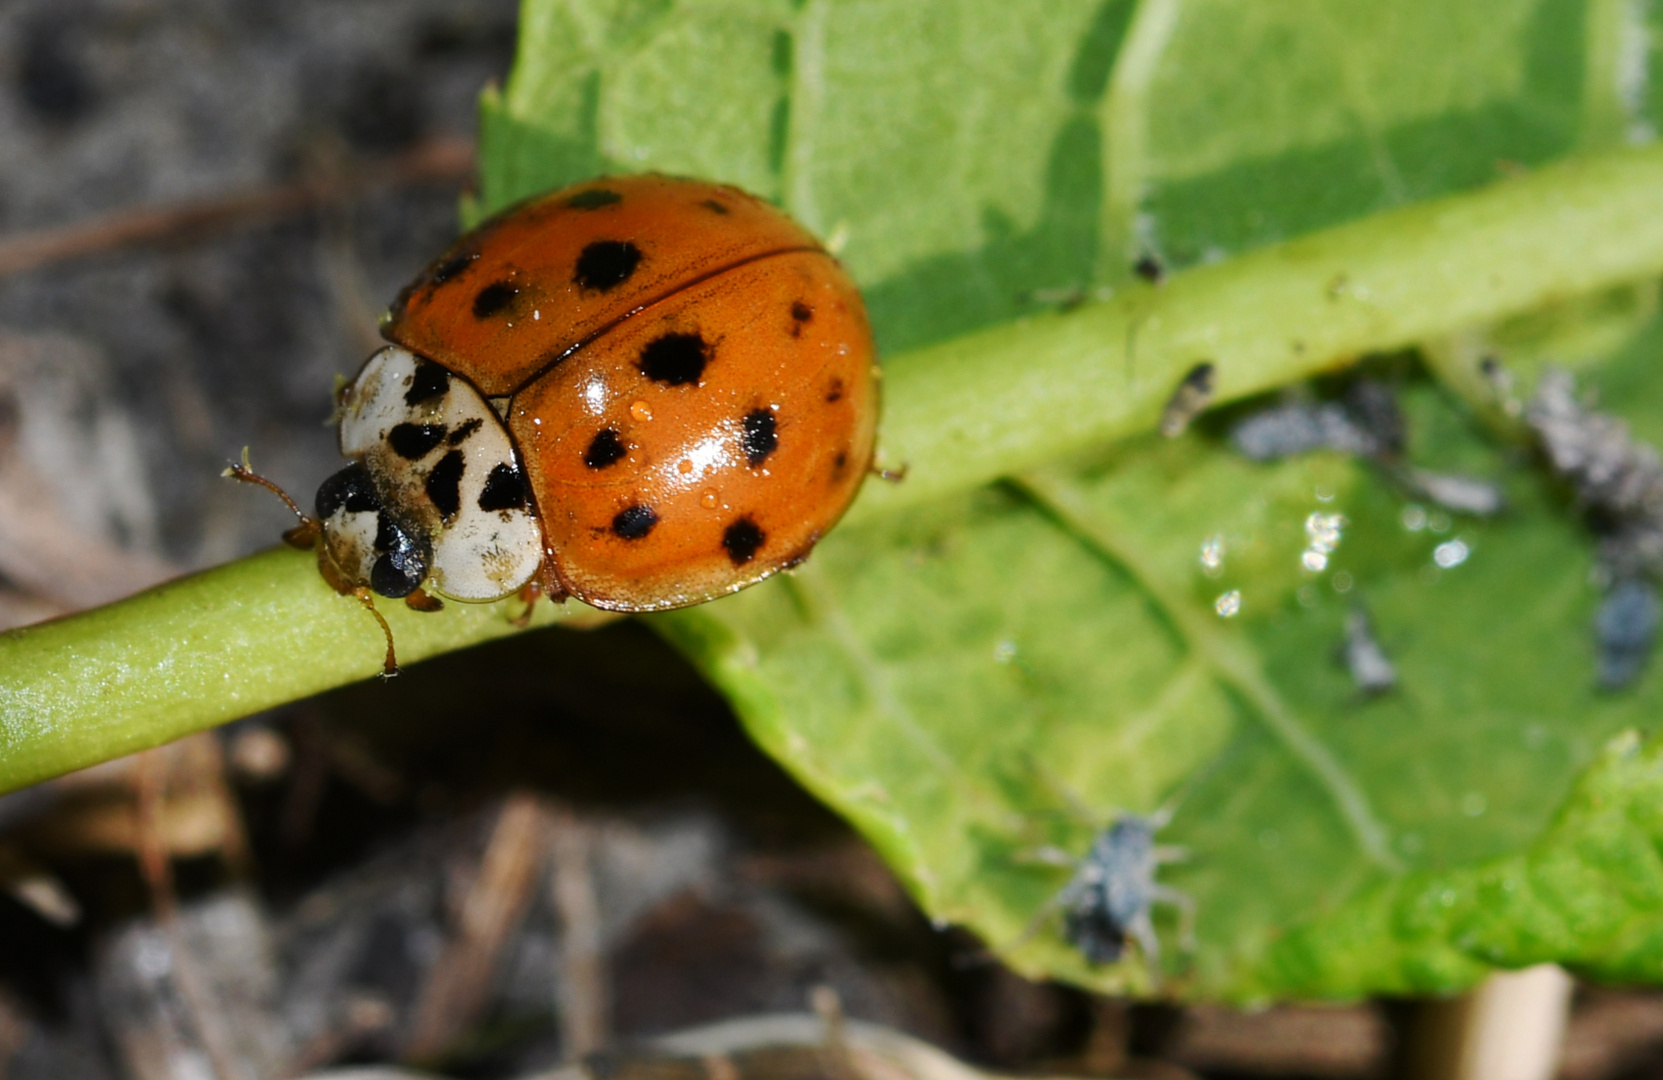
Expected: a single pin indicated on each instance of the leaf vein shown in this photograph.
(1061, 498)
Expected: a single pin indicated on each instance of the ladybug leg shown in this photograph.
(422, 600)
(893, 476)
(332, 577)
(528, 595)
(544, 583)
(389, 663)
(303, 537)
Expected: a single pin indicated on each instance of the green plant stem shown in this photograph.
(202, 650)
(968, 411)
(266, 630)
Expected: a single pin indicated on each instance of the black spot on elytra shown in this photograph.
(742, 539)
(464, 431)
(834, 392)
(605, 449)
(594, 199)
(801, 313)
(504, 488)
(714, 207)
(452, 267)
(429, 381)
(350, 489)
(493, 298)
(606, 264)
(634, 522)
(444, 484)
(840, 464)
(413, 441)
(675, 359)
(761, 436)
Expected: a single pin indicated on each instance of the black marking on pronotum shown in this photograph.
(605, 449)
(429, 381)
(444, 484)
(493, 298)
(606, 264)
(675, 359)
(350, 489)
(504, 488)
(742, 539)
(413, 441)
(834, 392)
(452, 267)
(761, 436)
(714, 207)
(464, 431)
(634, 522)
(594, 199)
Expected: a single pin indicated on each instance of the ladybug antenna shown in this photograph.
(244, 472)
(389, 665)
(303, 536)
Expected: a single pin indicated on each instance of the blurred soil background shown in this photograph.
(508, 858)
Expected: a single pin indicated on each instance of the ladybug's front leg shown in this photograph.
(389, 663)
(332, 576)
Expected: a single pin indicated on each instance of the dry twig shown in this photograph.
(585, 991)
(439, 161)
(459, 983)
(155, 863)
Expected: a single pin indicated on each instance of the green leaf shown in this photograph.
(972, 667)
(970, 676)
(958, 680)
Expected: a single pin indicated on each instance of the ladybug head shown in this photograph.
(366, 544)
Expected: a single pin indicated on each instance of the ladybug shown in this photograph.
(643, 392)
